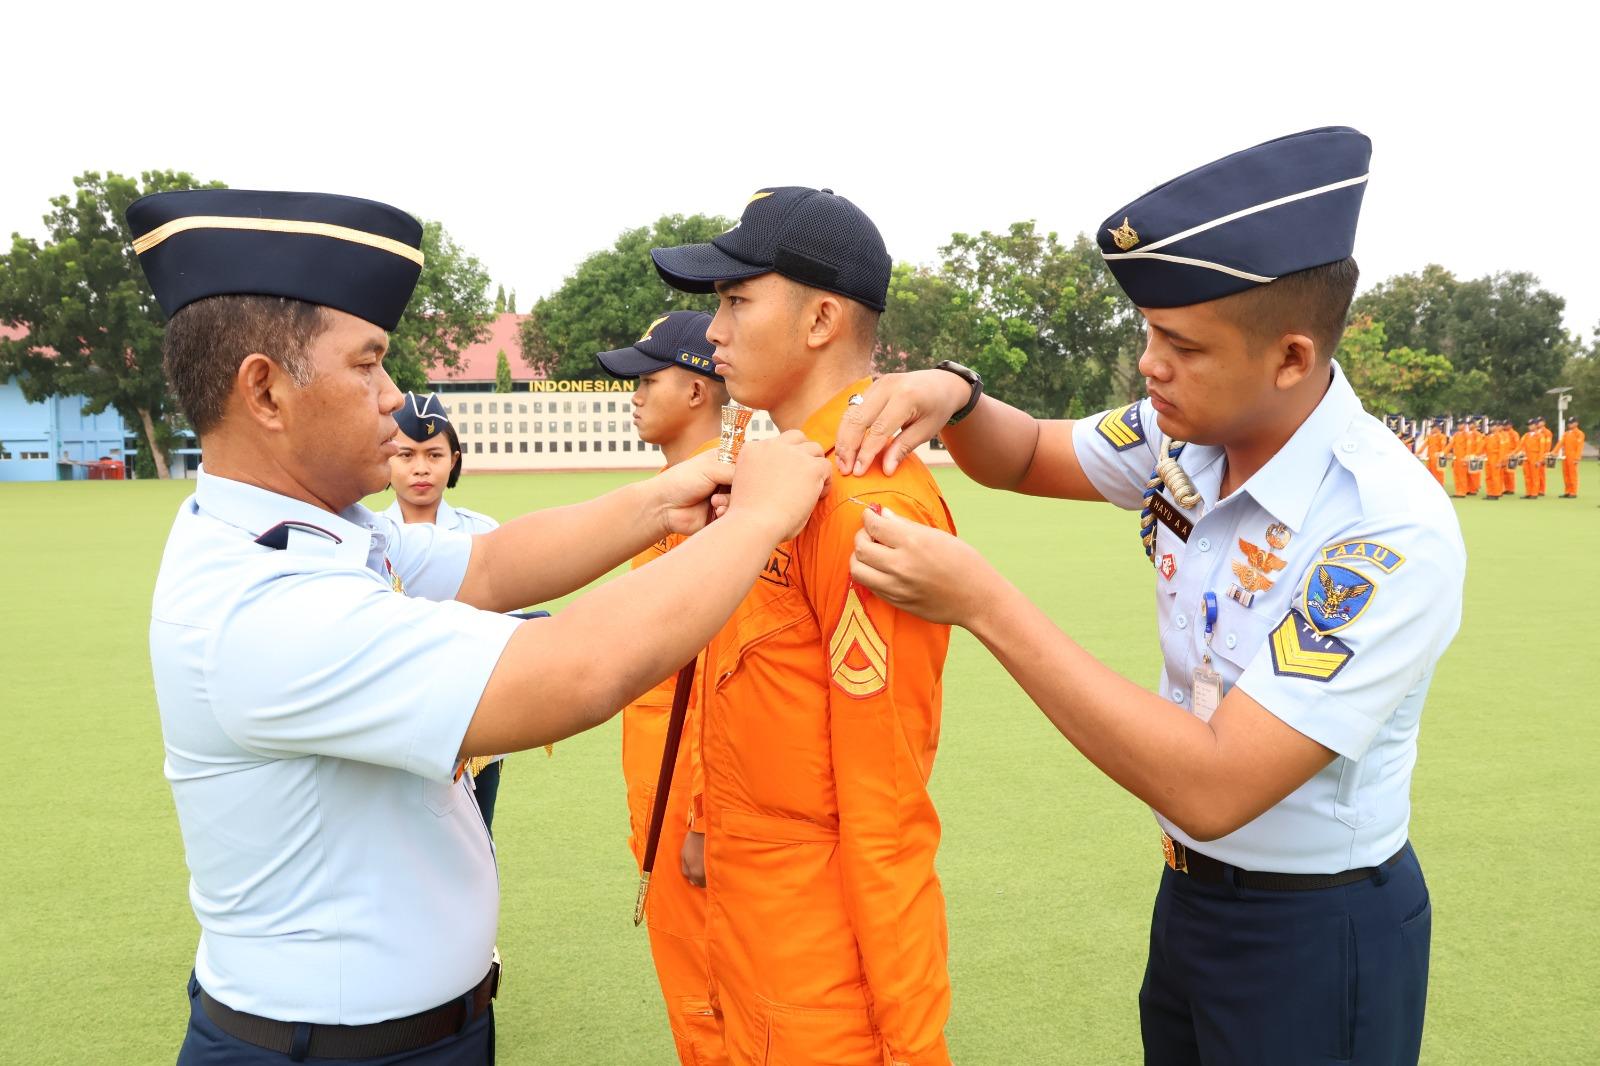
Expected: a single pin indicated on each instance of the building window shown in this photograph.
(508, 447)
(494, 408)
(583, 427)
(566, 427)
(523, 427)
(494, 447)
(494, 427)
(538, 407)
(538, 427)
(566, 407)
(627, 445)
(566, 445)
(522, 408)
(538, 445)
(477, 408)
(583, 406)
(612, 407)
(583, 445)
(477, 447)
(522, 446)
(477, 427)
(611, 445)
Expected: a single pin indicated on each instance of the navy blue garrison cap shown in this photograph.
(1242, 221)
(421, 417)
(808, 235)
(677, 338)
(353, 255)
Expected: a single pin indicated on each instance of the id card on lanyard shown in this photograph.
(1207, 687)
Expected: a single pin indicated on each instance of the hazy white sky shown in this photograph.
(537, 135)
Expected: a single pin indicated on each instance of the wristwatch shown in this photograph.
(971, 377)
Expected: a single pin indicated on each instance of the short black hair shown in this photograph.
(206, 341)
(1315, 302)
(455, 449)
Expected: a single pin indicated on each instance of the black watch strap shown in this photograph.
(972, 378)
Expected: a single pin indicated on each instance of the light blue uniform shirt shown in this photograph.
(1364, 597)
(312, 717)
(456, 519)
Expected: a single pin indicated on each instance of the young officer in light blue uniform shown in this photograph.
(322, 672)
(1308, 577)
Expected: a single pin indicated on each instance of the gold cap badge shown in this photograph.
(1124, 236)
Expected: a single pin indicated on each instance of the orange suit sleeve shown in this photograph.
(884, 699)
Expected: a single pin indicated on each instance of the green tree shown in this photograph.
(1502, 334)
(94, 327)
(1582, 373)
(511, 301)
(449, 312)
(502, 372)
(1400, 381)
(499, 299)
(1043, 322)
(611, 298)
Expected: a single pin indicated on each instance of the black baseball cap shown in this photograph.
(677, 338)
(812, 236)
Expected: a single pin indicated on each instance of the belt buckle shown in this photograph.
(1175, 854)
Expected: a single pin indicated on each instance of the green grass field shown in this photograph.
(1049, 869)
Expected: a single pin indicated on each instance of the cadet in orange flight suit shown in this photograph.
(1549, 449)
(826, 921)
(1534, 451)
(1475, 478)
(1571, 451)
(1494, 448)
(1435, 445)
(678, 406)
(1461, 448)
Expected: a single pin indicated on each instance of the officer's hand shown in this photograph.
(920, 569)
(686, 490)
(693, 859)
(779, 481)
(915, 405)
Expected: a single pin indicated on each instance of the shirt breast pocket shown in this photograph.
(1238, 635)
(441, 799)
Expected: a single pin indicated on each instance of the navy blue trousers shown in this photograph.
(206, 1045)
(1245, 977)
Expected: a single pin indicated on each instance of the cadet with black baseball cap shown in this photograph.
(826, 928)
(678, 407)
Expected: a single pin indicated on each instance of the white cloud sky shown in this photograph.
(536, 135)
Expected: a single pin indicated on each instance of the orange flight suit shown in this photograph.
(1509, 443)
(1461, 446)
(1494, 446)
(826, 922)
(675, 912)
(1434, 445)
(1533, 446)
(1571, 451)
(1476, 442)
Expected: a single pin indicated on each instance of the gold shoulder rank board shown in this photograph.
(858, 658)
(1121, 427)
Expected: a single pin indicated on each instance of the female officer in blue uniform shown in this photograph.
(322, 672)
(428, 462)
(1308, 577)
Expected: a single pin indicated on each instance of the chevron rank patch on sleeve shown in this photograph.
(1299, 650)
(858, 657)
(1121, 427)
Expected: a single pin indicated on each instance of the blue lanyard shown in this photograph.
(1211, 622)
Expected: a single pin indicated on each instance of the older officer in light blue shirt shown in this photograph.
(1308, 577)
(318, 688)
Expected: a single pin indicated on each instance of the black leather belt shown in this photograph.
(1204, 868)
(357, 1041)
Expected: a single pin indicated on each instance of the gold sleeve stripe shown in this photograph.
(855, 630)
(1291, 658)
(1115, 430)
(150, 240)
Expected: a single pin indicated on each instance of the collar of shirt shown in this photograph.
(1285, 487)
(256, 510)
(823, 425)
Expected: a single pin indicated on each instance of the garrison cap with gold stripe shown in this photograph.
(354, 255)
(1245, 220)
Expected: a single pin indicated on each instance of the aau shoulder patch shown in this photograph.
(1298, 650)
(1336, 596)
(1121, 427)
(858, 658)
